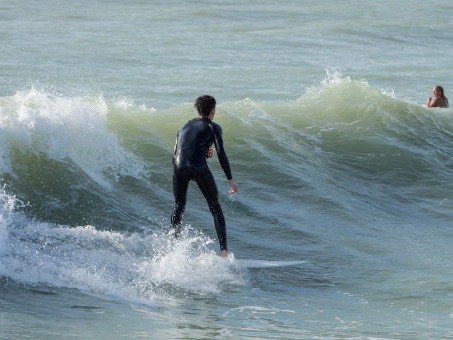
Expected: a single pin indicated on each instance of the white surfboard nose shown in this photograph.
(265, 264)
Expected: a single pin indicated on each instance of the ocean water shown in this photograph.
(338, 161)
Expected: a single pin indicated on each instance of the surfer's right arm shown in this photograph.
(176, 147)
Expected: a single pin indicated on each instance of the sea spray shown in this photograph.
(66, 129)
(137, 269)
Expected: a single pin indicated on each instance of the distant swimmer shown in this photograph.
(192, 149)
(439, 99)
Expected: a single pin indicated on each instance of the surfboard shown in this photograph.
(265, 264)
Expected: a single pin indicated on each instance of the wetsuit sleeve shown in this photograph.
(175, 148)
(223, 158)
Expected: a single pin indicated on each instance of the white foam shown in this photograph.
(139, 269)
(65, 128)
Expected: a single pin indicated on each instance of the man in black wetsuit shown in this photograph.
(192, 148)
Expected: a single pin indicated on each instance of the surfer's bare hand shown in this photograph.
(233, 187)
(210, 152)
(224, 253)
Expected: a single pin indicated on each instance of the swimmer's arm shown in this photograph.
(433, 102)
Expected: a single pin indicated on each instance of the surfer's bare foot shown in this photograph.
(224, 253)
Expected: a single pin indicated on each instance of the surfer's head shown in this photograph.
(204, 105)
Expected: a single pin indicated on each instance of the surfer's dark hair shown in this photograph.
(205, 104)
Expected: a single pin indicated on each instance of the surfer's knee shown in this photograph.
(215, 207)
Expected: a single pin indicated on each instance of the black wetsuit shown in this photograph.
(189, 162)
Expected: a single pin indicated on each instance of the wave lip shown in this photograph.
(64, 129)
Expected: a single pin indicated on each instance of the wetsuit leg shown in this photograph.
(181, 179)
(208, 187)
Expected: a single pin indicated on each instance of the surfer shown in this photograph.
(439, 99)
(192, 148)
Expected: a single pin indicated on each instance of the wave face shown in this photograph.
(87, 190)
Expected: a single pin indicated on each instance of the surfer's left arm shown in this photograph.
(223, 159)
(233, 187)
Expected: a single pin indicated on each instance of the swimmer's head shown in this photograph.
(438, 91)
